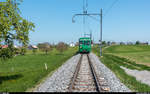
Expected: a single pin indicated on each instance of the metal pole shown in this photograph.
(101, 14)
(91, 35)
(94, 14)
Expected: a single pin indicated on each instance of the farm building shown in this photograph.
(3, 46)
(31, 47)
(6, 46)
(71, 44)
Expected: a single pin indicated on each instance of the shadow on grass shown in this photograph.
(59, 54)
(63, 53)
(10, 77)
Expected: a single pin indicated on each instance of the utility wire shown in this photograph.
(86, 5)
(85, 8)
(111, 6)
(84, 16)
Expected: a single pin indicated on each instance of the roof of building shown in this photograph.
(34, 46)
(4, 46)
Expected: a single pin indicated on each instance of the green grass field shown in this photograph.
(24, 72)
(116, 56)
(139, 54)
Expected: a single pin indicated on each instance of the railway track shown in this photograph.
(85, 78)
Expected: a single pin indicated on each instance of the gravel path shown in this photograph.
(142, 76)
(112, 81)
(60, 79)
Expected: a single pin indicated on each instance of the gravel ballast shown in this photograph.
(60, 79)
(111, 79)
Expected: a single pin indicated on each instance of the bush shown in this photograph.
(6, 53)
(16, 51)
(137, 42)
(46, 47)
(23, 51)
(34, 51)
(61, 47)
(103, 42)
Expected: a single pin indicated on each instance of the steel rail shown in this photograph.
(96, 81)
(75, 74)
(94, 75)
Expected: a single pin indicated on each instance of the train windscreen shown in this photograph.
(87, 43)
(81, 42)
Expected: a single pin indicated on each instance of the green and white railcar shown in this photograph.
(85, 45)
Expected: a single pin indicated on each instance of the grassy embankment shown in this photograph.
(139, 54)
(24, 72)
(129, 57)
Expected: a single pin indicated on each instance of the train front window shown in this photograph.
(87, 43)
(81, 42)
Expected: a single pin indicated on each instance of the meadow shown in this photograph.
(127, 56)
(24, 72)
(140, 54)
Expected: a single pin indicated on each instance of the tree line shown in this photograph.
(46, 47)
(105, 43)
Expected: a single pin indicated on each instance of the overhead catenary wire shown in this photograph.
(83, 16)
(85, 8)
(93, 14)
(86, 5)
(111, 6)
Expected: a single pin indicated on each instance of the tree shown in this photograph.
(77, 44)
(46, 47)
(113, 43)
(103, 42)
(12, 26)
(61, 47)
(34, 50)
(108, 43)
(137, 42)
(23, 50)
(146, 43)
(122, 43)
(5, 53)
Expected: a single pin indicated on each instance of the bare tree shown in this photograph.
(46, 47)
(61, 47)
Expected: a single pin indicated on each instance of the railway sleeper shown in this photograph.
(85, 84)
(84, 87)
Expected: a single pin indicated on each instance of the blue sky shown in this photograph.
(127, 20)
